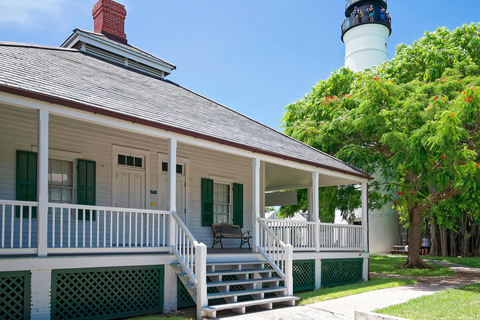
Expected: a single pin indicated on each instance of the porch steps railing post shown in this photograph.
(42, 184)
(289, 269)
(201, 274)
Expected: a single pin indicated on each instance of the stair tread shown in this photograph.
(248, 303)
(223, 263)
(246, 281)
(226, 272)
(244, 292)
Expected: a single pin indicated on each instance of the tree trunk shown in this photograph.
(415, 217)
(433, 238)
(453, 244)
(443, 242)
(465, 235)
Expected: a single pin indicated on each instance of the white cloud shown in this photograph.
(29, 12)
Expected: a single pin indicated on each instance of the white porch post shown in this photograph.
(42, 183)
(365, 214)
(172, 189)
(256, 202)
(315, 210)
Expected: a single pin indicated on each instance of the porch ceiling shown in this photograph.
(279, 177)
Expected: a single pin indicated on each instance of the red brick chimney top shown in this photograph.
(109, 20)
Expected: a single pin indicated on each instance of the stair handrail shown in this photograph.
(278, 254)
(185, 248)
(192, 256)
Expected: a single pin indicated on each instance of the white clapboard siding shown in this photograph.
(18, 131)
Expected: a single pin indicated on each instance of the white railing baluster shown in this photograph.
(91, 228)
(3, 225)
(29, 227)
(117, 230)
(53, 226)
(61, 227)
(20, 235)
(12, 229)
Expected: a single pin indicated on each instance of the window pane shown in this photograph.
(56, 194)
(138, 162)
(56, 179)
(56, 166)
(121, 159)
(68, 167)
(68, 180)
(66, 195)
(129, 161)
(179, 168)
(164, 166)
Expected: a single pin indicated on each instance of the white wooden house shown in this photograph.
(95, 224)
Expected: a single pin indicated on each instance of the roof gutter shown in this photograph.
(153, 124)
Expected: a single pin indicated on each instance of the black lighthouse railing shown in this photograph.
(360, 12)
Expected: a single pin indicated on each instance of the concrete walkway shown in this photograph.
(344, 308)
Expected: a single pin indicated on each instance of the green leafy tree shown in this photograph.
(413, 121)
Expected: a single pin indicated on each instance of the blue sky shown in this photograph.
(254, 56)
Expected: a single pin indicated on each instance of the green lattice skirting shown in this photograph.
(15, 295)
(107, 293)
(303, 275)
(337, 272)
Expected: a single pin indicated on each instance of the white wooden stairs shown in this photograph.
(240, 284)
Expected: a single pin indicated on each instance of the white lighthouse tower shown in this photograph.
(365, 33)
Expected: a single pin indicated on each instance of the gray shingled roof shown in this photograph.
(76, 76)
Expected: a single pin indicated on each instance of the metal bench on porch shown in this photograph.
(229, 231)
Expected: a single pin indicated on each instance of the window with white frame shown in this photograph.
(221, 202)
(60, 181)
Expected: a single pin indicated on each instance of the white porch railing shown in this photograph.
(192, 256)
(332, 237)
(82, 228)
(300, 234)
(18, 227)
(341, 237)
(277, 253)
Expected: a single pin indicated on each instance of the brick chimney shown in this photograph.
(109, 20)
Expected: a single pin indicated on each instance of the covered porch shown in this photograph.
(151, 222)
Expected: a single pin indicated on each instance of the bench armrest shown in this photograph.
(246, 232)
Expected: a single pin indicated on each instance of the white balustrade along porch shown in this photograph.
(97, 229)
(82, 229)
(332, 237)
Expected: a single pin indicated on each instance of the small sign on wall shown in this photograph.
(153, 204)
(153, 191)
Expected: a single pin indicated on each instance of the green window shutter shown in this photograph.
(238, 204)
(26, 180)
(207, 202)
(86, 186)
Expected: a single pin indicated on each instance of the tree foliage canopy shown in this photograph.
(414, 120)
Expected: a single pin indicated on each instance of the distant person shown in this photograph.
(425, 245)
(370, 12)
(406, 247)
(382, 15)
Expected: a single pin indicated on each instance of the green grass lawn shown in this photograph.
(391, 264)
(470, 261)
(375, 283)
(461, 303)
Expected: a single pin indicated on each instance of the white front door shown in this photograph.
(130, 188)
